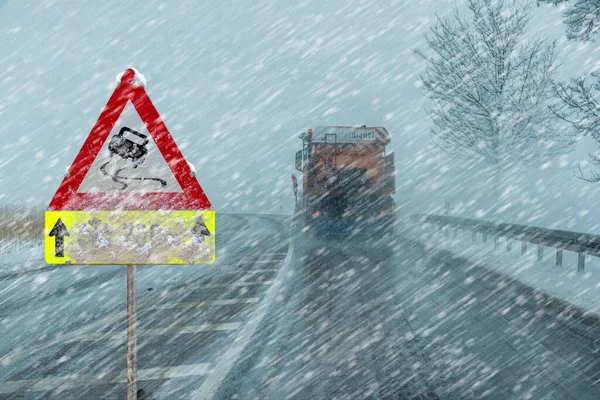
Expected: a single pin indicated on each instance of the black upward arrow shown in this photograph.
(200, 230)
(60, 231)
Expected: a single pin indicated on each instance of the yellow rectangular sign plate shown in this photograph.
(130, 237)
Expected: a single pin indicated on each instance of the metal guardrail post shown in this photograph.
(578, 242)
(496, 241)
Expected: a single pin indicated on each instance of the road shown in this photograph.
(278, 317)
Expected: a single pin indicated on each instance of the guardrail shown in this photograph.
(581, 243)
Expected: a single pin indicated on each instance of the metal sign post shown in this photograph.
(131, 342)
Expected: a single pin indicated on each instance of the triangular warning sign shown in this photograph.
(129, 161)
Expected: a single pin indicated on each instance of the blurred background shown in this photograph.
(237, 84)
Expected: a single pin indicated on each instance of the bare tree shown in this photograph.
(579, 105)
(581, 109)
(490, 88)
(582, 17)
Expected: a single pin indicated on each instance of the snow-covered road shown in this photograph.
(279, 317)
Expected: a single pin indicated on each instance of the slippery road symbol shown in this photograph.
(59, 231)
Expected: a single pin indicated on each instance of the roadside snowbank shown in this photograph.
(579, 289)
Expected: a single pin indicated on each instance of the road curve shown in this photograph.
(298, 318)
(355, 322)
(63, 331)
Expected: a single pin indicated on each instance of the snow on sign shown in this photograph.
(130, 197)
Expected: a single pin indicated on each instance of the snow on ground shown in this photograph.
(580, 289)
(23, 260)
(14, 246)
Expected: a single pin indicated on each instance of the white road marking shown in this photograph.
(240, 270)
(275, 254)
(228, 326)
(235, 301)
(76, 335)
(172, 330)
(267, 261)
(66, 382)
(258, 271)
(64, 337)
(236, 284)
(178, 371)
(101, 323)
(199, 304)
(215, 379)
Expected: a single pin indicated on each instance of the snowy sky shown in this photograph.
(237, 84)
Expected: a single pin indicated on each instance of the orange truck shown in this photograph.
(348, 180)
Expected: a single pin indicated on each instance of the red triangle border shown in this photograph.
(192, 196)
